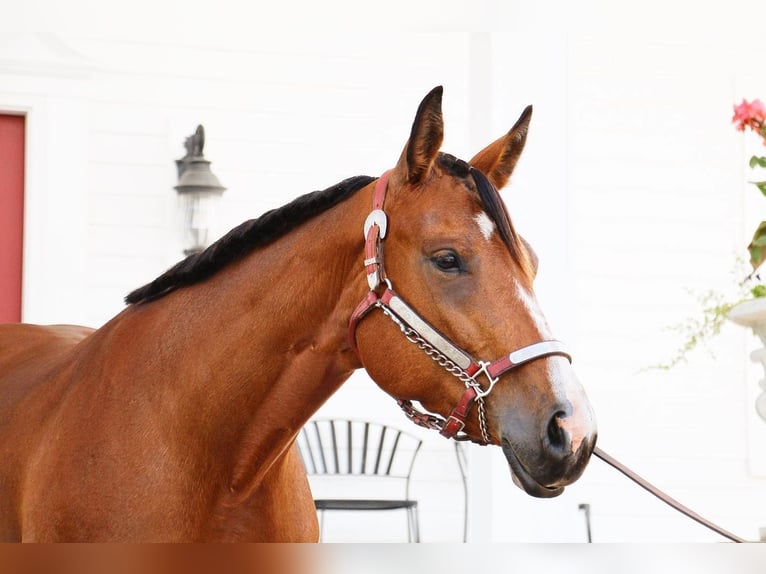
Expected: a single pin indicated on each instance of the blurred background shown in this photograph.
(633, 189)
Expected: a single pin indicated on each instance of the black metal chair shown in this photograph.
(349, 450)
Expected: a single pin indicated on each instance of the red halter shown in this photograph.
(455, 360)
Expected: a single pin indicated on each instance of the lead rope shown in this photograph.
(667, 499)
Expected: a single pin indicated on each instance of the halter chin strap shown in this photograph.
(418, 331)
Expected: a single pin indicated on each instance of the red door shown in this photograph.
(11, 215)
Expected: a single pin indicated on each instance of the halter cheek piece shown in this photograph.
(455, 360)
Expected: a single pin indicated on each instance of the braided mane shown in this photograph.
(246, 237)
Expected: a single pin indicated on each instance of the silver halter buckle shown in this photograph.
(483, 368)
(376, 217)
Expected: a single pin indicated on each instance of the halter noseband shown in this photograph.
(455, 360)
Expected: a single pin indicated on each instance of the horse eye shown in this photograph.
(447, 261)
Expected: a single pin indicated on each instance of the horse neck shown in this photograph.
(262, 344)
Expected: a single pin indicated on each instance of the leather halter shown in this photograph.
(417, 330)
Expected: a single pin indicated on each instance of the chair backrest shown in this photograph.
(345, 447)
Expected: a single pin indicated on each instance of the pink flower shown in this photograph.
(749, 114)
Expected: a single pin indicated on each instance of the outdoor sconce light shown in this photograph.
(199, 192)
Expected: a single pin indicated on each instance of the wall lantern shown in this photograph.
(199, 192)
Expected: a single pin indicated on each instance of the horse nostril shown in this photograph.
(558, 437)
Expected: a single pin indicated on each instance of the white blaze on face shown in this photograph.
(532, 307)
(562, 377)
(486, 225)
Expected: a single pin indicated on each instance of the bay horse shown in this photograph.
(176, 420)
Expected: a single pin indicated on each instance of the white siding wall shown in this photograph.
(656, 183)
(631, 189)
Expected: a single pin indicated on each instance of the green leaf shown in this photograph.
(758, 291)
(756, 256)
(755, 160)
(757, 247)
(760, 185)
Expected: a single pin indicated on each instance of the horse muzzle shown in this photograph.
(543, 464)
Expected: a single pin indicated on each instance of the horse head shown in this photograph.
(449, 272)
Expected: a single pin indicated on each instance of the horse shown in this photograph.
(177, 419)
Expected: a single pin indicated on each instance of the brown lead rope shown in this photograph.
(672, 502)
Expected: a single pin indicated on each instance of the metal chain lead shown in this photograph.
(440, 359)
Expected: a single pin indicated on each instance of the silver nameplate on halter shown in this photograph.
(409, 316)
(538, 350)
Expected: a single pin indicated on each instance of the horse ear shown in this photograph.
(425, 139)
(498, 159)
